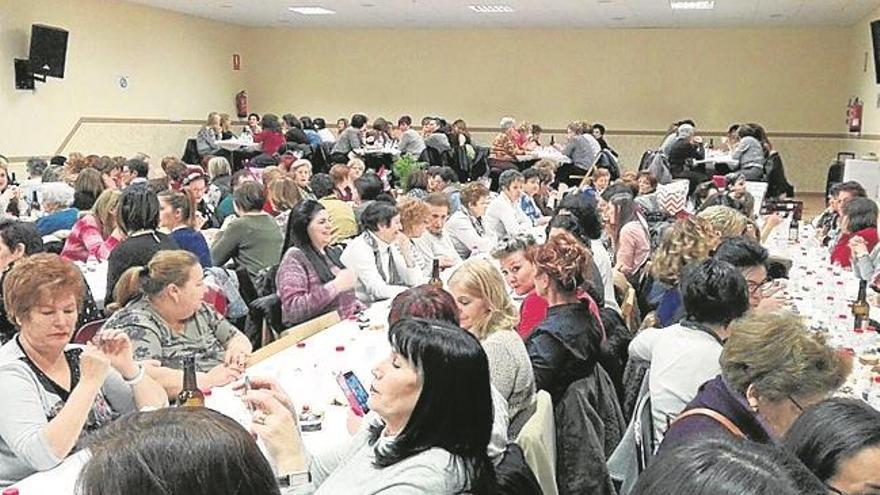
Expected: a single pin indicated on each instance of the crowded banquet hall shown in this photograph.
(558, 247)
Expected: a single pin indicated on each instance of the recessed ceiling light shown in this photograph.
(618, 18)
(491, 9)
(311, 10)
(226, 6)
(693, 5)
(776, 16)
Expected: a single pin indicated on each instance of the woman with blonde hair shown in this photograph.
(772, 368)
(414, 215)
(688, 240)
(97, 232)
(486, 310)
(163, 313)
(206, 139)
(726, 221)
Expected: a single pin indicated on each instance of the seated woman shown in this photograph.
(736, 189)
(87, 188)
(301, 171)
(565, 346)
(271, 137)
(486, 311)
(343, 185)
(504, 150)
(685, 355)
(839, 441)
(177, 216)
(858, 219)
(311, 280)
(688, 240)
(164, 451)
(763, 386)
(414, 217)
(465, 226)
(647, 183)
(138, 216)
(428, 431)
(749, 153)
(96, 233)
(519, 274)
(417, 184)
(55, 204)
(719, 465)
(629, 235)
(282, 195)
(57, 394)
(163, 313)
(252, 239)
(750, 258)
(206, 139)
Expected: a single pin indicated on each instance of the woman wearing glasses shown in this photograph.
(750, 258)
(772, 368)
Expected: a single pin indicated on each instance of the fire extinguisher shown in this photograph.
(854, 115)
(241, 104)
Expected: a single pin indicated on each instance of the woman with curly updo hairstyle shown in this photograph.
(687, 240)
(564, 347)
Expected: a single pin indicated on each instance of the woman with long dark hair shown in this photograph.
(629, 234)
(428, 430)
(311, 279)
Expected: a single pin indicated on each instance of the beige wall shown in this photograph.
(628, 79)
(792, 80)
(179, 67)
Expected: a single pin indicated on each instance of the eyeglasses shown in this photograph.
(832, 489)
(801, 409)
(754, 287)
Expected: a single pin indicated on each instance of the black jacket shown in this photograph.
(680, 151)
(564, 348)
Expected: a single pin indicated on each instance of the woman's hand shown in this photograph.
(276, 425)
(94, 365)
(344, 280)
(270, 385)
(116, 345)
(218, 376)
(858, 246)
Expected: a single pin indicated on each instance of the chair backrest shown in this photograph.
(87, 332)
(515, 477)
(191, 152)
(538, 442)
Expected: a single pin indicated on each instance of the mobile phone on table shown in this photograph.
(354, 391)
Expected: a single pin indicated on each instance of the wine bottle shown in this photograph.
(435, 274)
(860, 308)
(190, 396)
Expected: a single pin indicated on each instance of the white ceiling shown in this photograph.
(529, 13)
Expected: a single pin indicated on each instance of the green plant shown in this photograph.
(403, 167)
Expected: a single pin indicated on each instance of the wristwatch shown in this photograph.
(294, 479)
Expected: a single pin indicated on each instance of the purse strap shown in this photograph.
(720, 418)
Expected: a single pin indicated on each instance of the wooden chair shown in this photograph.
(293, 335)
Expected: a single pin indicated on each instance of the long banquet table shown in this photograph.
(820, 292)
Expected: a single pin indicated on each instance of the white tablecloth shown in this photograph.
(823, 294)
(547, 152)
(717, 158)
(377, 151)
(236, 144)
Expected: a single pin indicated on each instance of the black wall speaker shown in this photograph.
(48, 51)
(23, 77)
(875, 37)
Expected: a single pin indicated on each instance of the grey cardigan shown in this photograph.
(749, 153)
(350, 469)
(349, 140)
(864, 267)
